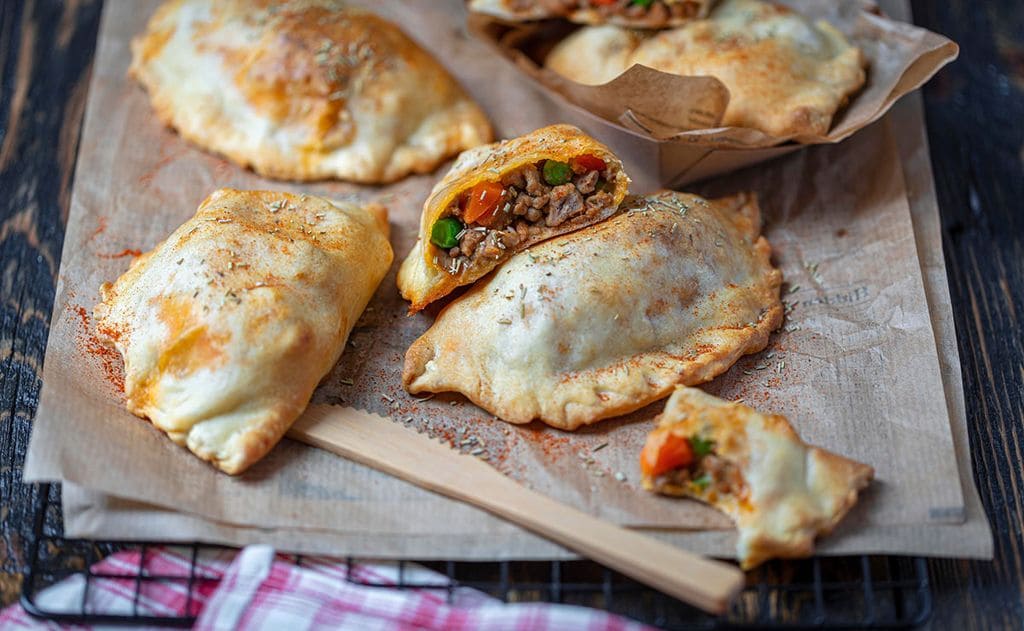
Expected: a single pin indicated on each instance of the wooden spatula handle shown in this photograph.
(385, 445)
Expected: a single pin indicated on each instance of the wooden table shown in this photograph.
(975, 115)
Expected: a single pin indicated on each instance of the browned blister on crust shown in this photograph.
(303, 89)
(228, 325)
(780, 491)
(608, 319)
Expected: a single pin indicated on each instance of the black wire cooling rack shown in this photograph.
(864, 592)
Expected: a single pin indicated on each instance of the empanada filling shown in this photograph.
(489, 220)
(654, 12)
(689, 464)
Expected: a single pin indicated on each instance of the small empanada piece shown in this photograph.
(786, 75)
(632, 13)
(303, 89)
(605, 320)
(227, 326)
(780, 491)
(502, 198)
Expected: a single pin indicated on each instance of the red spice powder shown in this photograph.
(121, 254)
(444, 433)
(108, 358)
(102, 221)
(544, 439)
(500, 452)
(168, 157)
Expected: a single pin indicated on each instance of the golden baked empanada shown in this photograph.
(634, 13)
(780, 491)
(228, 325)
(786, 75)
(303, 89)
(605, 320)
(502, 198)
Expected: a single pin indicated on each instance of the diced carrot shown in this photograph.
(590, 162)
(665, 451)
(482, 201)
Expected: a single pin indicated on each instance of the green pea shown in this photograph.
(556, 172)
(642, 3)
(445, 232)
(701, 446)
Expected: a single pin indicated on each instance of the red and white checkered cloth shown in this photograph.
(260, 590)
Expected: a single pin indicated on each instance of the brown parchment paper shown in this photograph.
(682, 114)
(861, 373)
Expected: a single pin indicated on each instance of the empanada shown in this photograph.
(787, 76)
(228, 325)
(303, 89)
(500, 199)
(605, 320)
(634, 13)
(780, 491)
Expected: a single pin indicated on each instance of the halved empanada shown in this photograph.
(228, 325)
(605, 320)
(303, 89)
(634, 13)
(780, 491)
(786, 75)
(502, 198)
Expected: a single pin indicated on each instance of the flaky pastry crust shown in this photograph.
(786, 76)
(791, 492)
(669, 13)
(303, 89)
(227, 326)
(605, 320)
(421, 278)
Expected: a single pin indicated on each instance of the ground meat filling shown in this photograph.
(527, 201)
(725, 478)
(655, 13)
(707, 473)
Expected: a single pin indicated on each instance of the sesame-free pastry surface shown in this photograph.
(605, 320)
(227, 326)
(502, 198)
(780, 491)
(634, 13)
(303, 89)
(786, 75)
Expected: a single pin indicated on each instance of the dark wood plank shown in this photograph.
(975, 117)
(45, 57)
